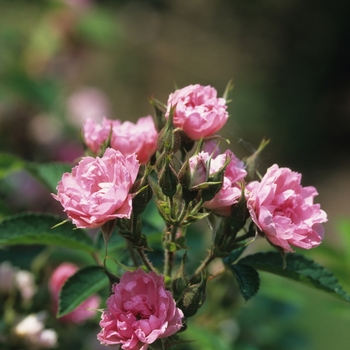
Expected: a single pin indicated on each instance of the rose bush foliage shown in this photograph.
(188, 181)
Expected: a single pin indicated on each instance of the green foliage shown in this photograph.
(47, 173)
(9, 164)
(34, 228)
(86, 282)
(203, 339)
(247, 278)
(297, 268)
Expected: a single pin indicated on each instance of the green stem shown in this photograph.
(170, 236)
(132, 253)
(205, 263)
(145, 260)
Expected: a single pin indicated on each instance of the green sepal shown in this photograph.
(253, 160)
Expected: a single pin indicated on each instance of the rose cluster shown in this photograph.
(203, 180)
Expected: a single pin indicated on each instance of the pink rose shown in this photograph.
(96, 134)
(85, 310)
(284, 210)
(231, 190)
(139, 138)
(139, 312)
(199, 166)
(198, 112)
(97, 189)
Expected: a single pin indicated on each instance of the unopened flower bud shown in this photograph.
(168, 179)
(169, 139)
(194, 171)
(142, 193)
(179, 282)
(193, 297)
(239, 212)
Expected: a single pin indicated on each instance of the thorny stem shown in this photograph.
(170, 236)
(132, 254)
(145, 260)
(210, 257)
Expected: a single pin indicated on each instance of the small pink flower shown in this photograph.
(85, 310)
(139, 138)
(139, 312)
(231, 190)
(198, 110)
(97, 189)
(96, 134)
(199, 169)
(285, 211)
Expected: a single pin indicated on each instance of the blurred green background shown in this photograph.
(61, 61)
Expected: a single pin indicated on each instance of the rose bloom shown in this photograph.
(85, 310)
(95, 134)
(285, 211)
(231, 190)
(199, 164)
(139, 312)
(139, 138)
(198, 110)
(97, 189)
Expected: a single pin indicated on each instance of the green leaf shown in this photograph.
(247, 278)
(84, 283)
(36, 228)
(9, 164)
(299, 269)
(48, 173)
(235, 254)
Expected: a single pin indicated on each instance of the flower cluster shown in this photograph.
(176, 160)
(127, 137)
